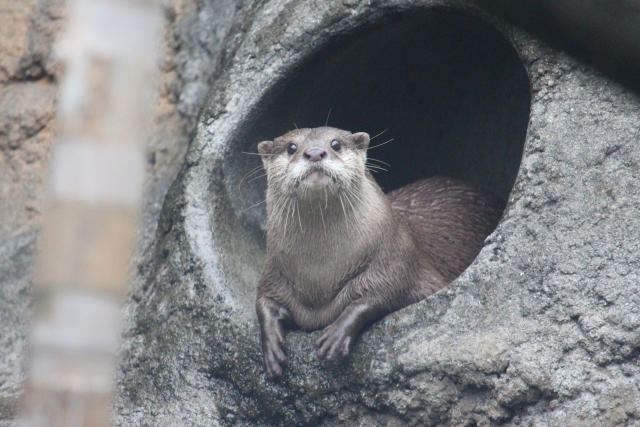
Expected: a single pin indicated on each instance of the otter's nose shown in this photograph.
(315, 154)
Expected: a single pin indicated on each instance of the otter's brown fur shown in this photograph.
(341, 253)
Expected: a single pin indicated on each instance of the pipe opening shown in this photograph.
(448, 88)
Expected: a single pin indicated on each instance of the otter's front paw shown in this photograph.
(335, 340)
(272, 340)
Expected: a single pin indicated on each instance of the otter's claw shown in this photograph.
(272, 340)
(334, 341)
(273, 357)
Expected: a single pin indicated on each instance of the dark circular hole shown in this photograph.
(448, 88)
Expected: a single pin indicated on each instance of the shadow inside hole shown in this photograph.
(448, 88)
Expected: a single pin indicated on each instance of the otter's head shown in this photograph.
(308, 162)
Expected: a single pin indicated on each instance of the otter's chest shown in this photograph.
(320, 268)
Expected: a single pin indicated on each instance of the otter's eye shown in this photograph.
(292, 148)
(335, 144)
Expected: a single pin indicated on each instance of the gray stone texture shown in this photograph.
(191, 58)
(28, 90)
(541, 330)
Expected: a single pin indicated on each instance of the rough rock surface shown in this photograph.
(28, 77)
(541, 330)
(191, 59)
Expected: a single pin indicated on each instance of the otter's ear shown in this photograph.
(361, 139)
(265, 147)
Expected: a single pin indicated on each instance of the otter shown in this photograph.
(341, 253)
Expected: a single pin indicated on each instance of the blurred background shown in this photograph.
(96, 64)
(98, 100)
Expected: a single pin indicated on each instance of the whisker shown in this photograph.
(299, 220)
(378, 160)
(327, 121)
(257, 177)
(380, 145)
(371, 139)
(355, 194)
(248, 174)
(344, 211)
(283, 208)
(326, 200)
(322, 217)
(353, 209)
(376, 167)
(255, 154)
(294, 123)
(257, 204)
(286, 217)
(292, 203)
(256, 168)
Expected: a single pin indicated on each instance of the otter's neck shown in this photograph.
(325, 215)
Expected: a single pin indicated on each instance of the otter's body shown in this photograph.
(341, 253)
